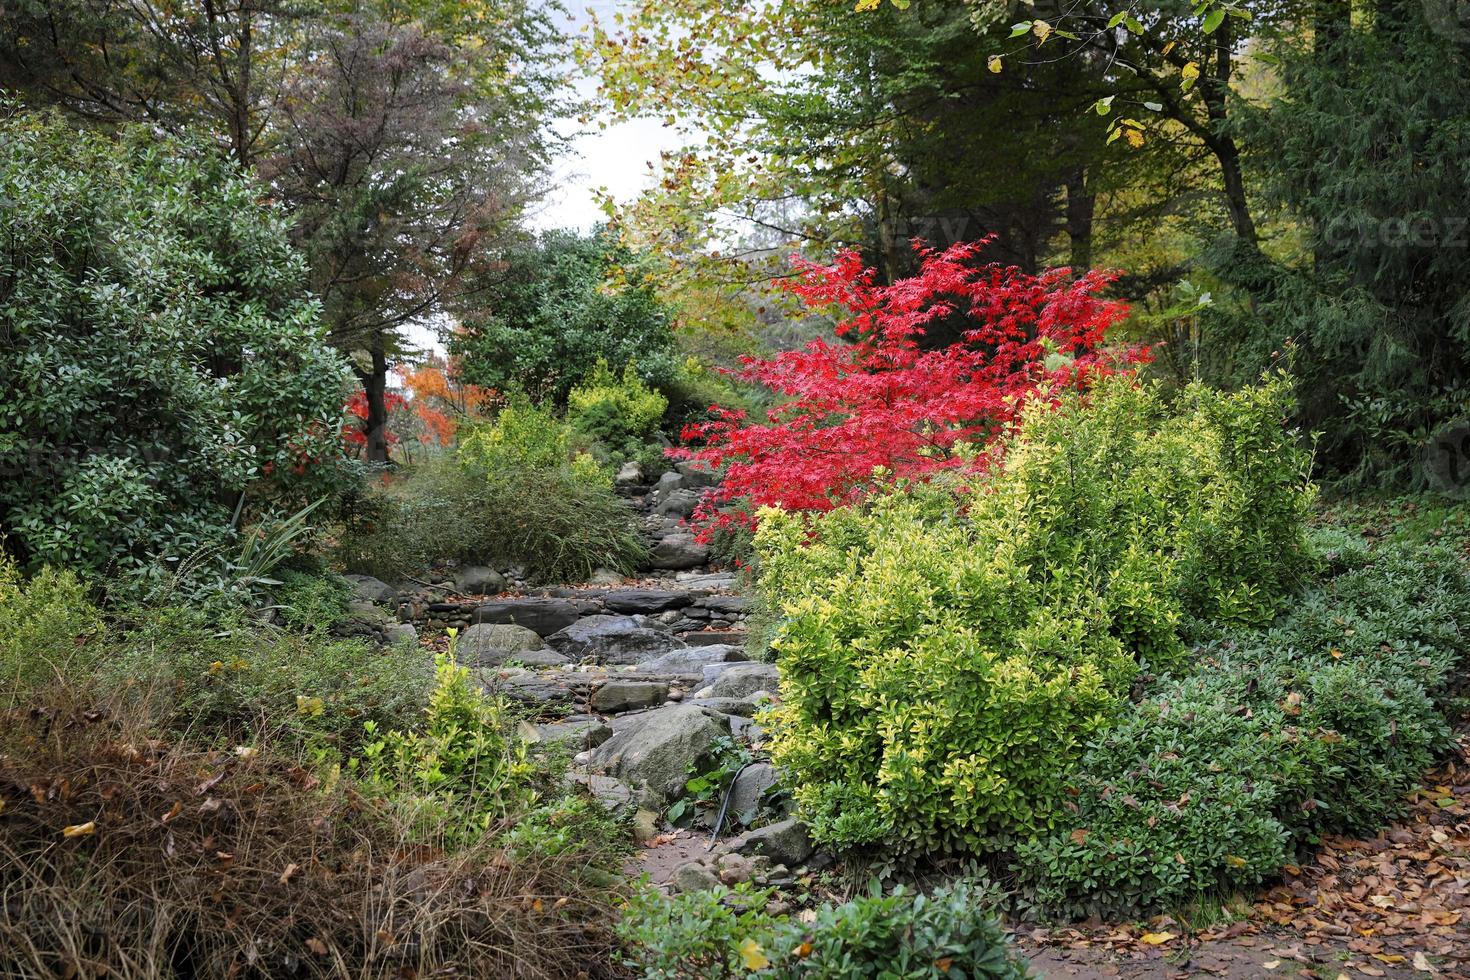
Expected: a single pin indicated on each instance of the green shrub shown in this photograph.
(1319, 724)
(48, 630)
(228, 680)
(161, 356)
(946, 656)
(459, 771)
(309, 601)
(619, 418)
(514, 494)
(728, 933)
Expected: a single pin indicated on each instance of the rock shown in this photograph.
(645, 826)
(400, 634)
(784, 842)
(605, 576)
(714, 581)
(537, 658)
(544, 616)
(612, 640)
(645, 601)
(370, 589)
(680, 503)
(613, 793)
(696, 473)
(694, 877)
(657, 755)
(710, 637)
(691, 660)
(749, 786)
(478, 580)
(616, 696)
(492, 644)
(739, 707)
(678, 551)
(735, 868)
(579, 733)
(629, 473)
(668, 483)
(746, 729)
(743, 680)
(526, 687)
(729, 605)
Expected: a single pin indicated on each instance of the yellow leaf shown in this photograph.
(1235, 861)
(1389, 957)
(752, 955)
(1421, 963)
(310, 707)
(1041, 29)
(1157, 938)
(1190, 74)
(80, 830)
(994, 64)
(1134, 137)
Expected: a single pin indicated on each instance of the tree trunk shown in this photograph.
(375, 384)
(1081, 203)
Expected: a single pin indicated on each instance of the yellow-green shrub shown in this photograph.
(45, 626)
(946, 654)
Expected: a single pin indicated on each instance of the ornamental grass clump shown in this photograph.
(948, 652)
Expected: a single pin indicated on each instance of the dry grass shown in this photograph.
(128, 857)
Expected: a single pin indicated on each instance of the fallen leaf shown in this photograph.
(291, 869)
(1157, 938)
(80, 830)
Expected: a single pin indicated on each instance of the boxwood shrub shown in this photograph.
(1215, 778)
(948, 654)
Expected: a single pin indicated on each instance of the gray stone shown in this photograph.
(657, 755)
(668, 483)
(400, 634)
(629, 473)
(371, 589)
(544, 616)
(680, 503)
(478, 580)
(784, 842)
(691, 660)
(710, 637)
(697, 474)
(743, 680)
(749, 786)
(739, 707)
(616, 696)
(613, 793)
(612, 640)
(605, 576)
(645, 826)
(678, 551)
(492, 644)
(694, 877)
(646, 601)
(747, 729)
(525, 686)
(537, 658)
(579, 733)
(730, 605)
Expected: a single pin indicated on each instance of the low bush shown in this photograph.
(1222, 772)
(619, 418)
(123, 854)
(947, 654)
(729, 934)
(310, 600)
(514, 494)
(48, 630)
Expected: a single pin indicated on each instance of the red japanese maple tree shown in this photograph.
(876, 404)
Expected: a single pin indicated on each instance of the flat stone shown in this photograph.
(677, 503)
(730, 605)
(646, 601)
(370, 589)
(400, 634)
(678, 551)
(492, 644)
(613, 640)
(693, 877)
(750, 785)
(582, 733)
(616, 696)
(784, 842)
(612, 793)
(709, 637)
(743, 680)
(478, 580)
(696, 473)
(692, 660)
(739, 707)
(526, 687)
(543, 616)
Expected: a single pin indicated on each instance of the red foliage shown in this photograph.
(876, 406)
(355, 436)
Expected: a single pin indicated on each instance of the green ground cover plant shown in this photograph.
(948, 653)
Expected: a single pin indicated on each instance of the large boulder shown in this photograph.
(678, 551)
(691, 660)
(749, 786)
(544, 616)
(743, 680)
(492, 644)
(697, 473)
(645, 601)
(478, 580)
(677, 503)
(612, 640)
(369, 589)
(656, 755)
